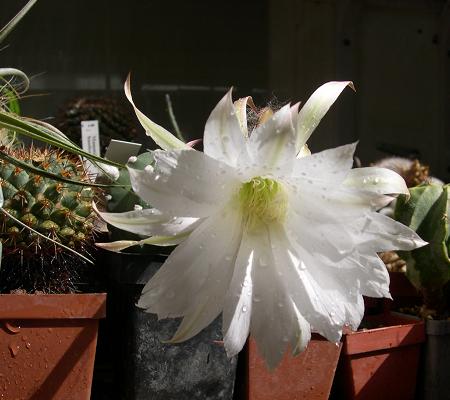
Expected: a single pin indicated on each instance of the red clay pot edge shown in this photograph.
(400, 331)
(53, 306)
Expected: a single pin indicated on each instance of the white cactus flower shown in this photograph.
(279, 241)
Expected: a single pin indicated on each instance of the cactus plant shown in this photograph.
(61, 212)
(114, 119)
(428, 268)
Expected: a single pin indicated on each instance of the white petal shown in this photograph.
(327, 298)
(373, 275)
(194, 279)
(149, 222)
(315, 109)
(276, 322)
(223, 138)
(314, 196)
(161, 136)
(304, 151)
(238, 302)
(331, 165)
(120, 245)
(294, 113)
(320, 302)
(322, 229)
(272, 144)
(377, 180)
(185, 183)
(377, 232)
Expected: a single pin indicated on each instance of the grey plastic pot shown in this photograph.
(436, 362)
(145, 367)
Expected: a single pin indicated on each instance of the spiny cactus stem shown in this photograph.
(45, 237)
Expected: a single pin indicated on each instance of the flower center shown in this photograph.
(262, 201)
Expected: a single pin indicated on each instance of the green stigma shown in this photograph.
(262, 201)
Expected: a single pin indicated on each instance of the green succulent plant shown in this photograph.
(428, 268)
(44, 222)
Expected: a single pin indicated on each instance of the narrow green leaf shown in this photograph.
(51, 137)
(6, 30)
(162, 137)
(38, 171)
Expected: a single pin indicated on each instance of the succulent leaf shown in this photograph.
(426, 212)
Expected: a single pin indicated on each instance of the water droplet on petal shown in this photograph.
(132, 159)
(263, 261)
(148, 168)
(244, 309)
(157, 177)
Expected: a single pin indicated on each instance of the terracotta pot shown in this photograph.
(47, 345)
(307, 376)
(381, 361)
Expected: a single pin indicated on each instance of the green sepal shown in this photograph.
(122, 198)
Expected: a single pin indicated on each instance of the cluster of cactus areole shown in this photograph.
(60, 211)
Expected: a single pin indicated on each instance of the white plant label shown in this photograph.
(90, 141)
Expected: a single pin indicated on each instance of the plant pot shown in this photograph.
(145, 367)
(48, 345)
(435, 371)
(307, 376)
(381, 361)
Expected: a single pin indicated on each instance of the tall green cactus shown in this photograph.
(428, 268)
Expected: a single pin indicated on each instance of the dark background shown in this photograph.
(396, 52)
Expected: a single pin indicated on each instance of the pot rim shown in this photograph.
(52, 306)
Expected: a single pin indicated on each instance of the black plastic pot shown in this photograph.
(145, 367)
(436, 361)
